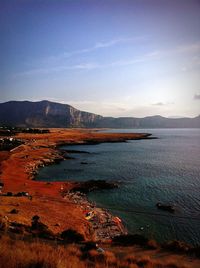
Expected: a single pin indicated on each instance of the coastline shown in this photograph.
(60, 210)
(47, 201)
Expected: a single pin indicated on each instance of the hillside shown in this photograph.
(148, 122)
(51, 114)
(44, 114)
(32, 226)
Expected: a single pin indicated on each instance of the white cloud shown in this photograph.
(98, 45)
(162, 103)
(117, 41)
(153, 55)
(158, 104)
(88, 65)
(191, 48)
(83, 66)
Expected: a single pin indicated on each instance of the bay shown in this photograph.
(165, 170)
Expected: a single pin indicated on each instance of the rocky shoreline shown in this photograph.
(18, 173)
(62, 209)
(104, 225)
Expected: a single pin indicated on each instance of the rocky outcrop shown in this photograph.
(93, 185)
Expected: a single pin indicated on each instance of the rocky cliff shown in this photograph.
(44, 114)
(51, 114)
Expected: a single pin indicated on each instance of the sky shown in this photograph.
(111, 57)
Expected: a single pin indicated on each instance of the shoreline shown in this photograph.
(103, 223)
(60, 213)
(47, 201)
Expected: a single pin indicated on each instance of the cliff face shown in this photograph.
(51, 114)
(44, 114)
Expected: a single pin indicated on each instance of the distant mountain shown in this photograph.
(51, 114)
(44, 114)
(149, 122)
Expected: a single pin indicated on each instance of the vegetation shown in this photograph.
(36, 254)
(41, 244)
(8, 130)
(7, 144)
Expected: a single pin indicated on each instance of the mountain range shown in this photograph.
(50, 114)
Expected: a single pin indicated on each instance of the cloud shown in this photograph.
(117, 41)
(191, 48)
(40, 71)
(192, 65)
(158, 104)
(89, 65)
(153, 55)
(98, 45)
(197, 97)
(162, 103)
(85, 66)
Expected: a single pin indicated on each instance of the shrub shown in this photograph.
(40, 229)
(177, 246)
(89, 246)
(128, 240)
(94, 256)
(71, 236)
(14, 211)
(144, 261)
(195, 251)
(152, 244)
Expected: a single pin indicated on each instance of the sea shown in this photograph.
(166, 170)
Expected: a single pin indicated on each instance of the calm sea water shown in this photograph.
(166, 169)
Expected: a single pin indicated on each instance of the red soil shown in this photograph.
(58, 213)
(16, 168)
